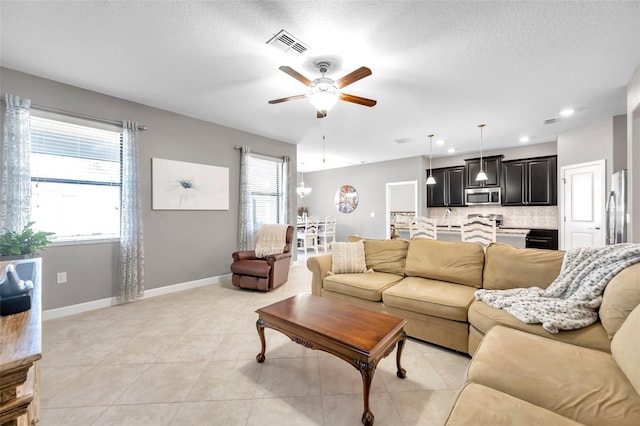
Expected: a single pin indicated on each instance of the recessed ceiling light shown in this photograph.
(451, 150)
(440, 142)
(524, 139)
(567, 112)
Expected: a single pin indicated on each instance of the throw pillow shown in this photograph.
(386, 255)
(348, 258)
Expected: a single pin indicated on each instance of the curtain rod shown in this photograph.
(77, 115)
(239, 148)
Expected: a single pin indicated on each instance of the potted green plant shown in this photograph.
(23, 244)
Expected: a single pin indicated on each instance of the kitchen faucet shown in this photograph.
(447, 216)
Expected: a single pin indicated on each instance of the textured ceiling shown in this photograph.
(438, 67)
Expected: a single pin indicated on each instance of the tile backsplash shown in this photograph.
(539, 217)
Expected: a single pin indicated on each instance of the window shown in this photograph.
(267, 190)
(75, 179)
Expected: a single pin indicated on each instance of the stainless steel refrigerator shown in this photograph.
(617, 209)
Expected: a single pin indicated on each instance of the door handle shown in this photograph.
(594, 227)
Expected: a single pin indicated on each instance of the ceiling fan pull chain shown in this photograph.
(324, 140)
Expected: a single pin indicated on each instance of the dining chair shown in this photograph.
(479, 230)
(327, 232)
(307, 235)
(423, 227)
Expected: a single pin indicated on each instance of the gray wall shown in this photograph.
(633, 154)
(619, 143)
(517, 153)
(596, 141)
(370, 181)
(180, 246)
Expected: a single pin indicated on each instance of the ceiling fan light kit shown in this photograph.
(481, 174)
(324, 92)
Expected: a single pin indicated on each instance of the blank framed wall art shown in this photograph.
(178, 185)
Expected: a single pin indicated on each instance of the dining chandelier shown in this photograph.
(302, 190)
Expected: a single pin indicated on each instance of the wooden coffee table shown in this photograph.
(359, 336)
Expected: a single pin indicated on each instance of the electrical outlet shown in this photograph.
(61, 277)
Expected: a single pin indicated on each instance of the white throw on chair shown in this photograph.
(308, 235)
(423, 227)
(479, 230)
(327, 232)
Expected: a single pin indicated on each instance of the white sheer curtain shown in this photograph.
(286, 189)
(131, 286)
(15, 201)
(245, 225)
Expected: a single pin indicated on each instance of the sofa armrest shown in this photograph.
(320, 267)
(244, 255)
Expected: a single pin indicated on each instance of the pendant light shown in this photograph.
(481, 174)
(302, 190)
(430, 180)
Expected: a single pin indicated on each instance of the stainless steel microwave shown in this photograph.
(482, 196)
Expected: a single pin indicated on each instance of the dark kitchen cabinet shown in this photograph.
(546, 239)
(530, 182)
(491, 166)
(448, 190)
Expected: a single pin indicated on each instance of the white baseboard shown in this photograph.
(110, 301)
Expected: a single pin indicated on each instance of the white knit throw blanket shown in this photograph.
(572, 299)
(271, 239)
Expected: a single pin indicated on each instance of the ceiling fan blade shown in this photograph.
(321, 114)
(289, 98)
(357, 100)
(295, 74)
(352, 77)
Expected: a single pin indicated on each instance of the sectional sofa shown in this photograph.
(432, 283)
(520, 374)
(519, 378)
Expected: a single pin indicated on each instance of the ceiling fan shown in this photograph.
(325, 92)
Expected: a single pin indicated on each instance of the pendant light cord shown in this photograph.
(481, 127)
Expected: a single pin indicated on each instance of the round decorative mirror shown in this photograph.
(346, 199)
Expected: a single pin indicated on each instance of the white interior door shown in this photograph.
(582, 203)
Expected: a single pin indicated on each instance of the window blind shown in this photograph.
(266, 189)
(72, 152)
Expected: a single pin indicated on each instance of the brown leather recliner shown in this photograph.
(262, 274)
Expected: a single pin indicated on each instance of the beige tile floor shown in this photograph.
(188, 358)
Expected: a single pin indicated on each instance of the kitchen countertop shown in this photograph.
(499, 231)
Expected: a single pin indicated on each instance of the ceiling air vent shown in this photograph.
(401, 140)
(288, 43)
(551, 120)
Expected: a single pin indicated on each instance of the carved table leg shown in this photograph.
(366, 370)
(402, 373)
(260, 326)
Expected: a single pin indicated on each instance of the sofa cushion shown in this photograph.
(431, 297)
(483, 317)
(625, 347)
(348, 258)
(364, 286)
(579, 383)
(456, 262)
(620, 297)
(480, 405)
(510, 267)
(386, 255)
